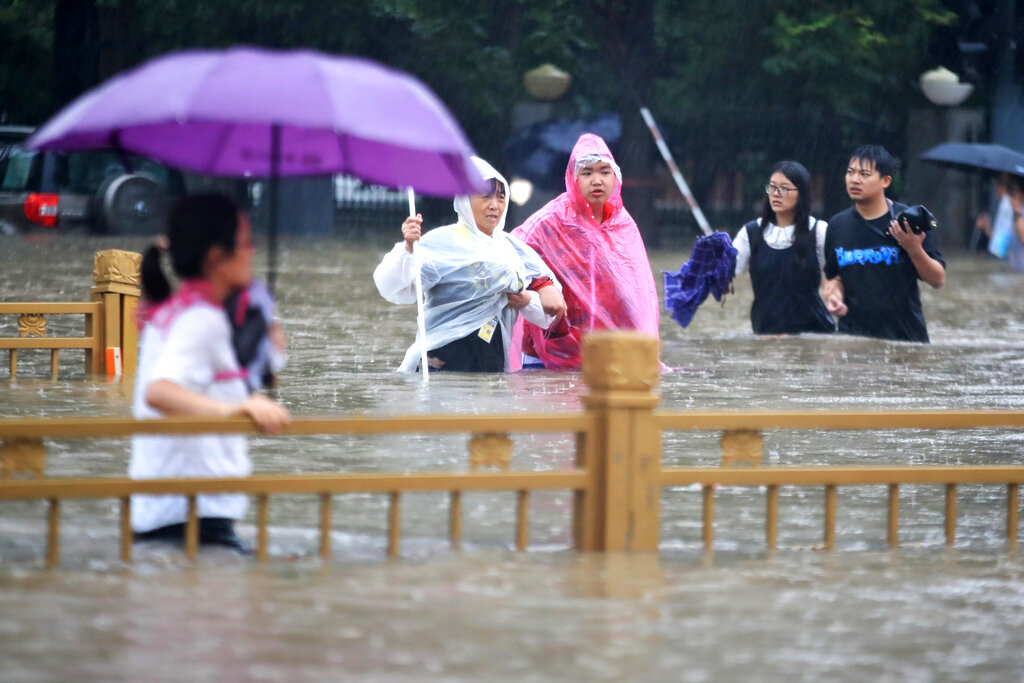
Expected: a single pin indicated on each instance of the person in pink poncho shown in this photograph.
(592, 244)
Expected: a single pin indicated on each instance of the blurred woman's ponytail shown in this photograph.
(196, 224)
(155, 287)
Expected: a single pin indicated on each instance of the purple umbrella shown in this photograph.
(249, 112)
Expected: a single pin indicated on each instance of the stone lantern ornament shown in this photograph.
(943, 87)
(546, 82)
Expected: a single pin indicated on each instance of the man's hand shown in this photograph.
(832, 293)
(983, 224)
(909, 240)
(928, 269)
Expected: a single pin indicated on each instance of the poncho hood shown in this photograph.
(466, 276)
(590, 145)
(464, 210)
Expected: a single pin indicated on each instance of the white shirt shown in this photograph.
(777, 238)
(190, 351)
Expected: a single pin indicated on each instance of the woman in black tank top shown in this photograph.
(784, 270)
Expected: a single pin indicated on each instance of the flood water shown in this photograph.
(489, 613)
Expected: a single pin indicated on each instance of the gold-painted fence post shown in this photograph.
(116, 282)
(621, 510)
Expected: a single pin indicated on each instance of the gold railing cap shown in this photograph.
(117, 266)
(620, 360)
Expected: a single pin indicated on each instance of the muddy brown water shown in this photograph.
(488, 613)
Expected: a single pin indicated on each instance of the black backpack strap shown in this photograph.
(248, 328)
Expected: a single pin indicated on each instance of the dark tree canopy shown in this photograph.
(736, 85)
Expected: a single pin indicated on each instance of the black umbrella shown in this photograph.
(976, 156)
(538, 151)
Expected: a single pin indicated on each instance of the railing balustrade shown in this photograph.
(32, 329)
(616, 482)
(109, 318)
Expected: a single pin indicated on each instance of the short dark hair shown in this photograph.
(879, 157)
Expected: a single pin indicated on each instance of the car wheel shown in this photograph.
(131, 204)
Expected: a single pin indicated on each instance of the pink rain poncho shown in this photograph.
(603, 267)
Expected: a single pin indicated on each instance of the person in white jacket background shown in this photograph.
(476, 281)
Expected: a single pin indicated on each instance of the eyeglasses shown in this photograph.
(780, 190)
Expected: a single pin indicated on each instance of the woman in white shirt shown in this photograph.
(187, 366)
(476, 281)
(784, 252)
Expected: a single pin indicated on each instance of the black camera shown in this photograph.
(917, 219)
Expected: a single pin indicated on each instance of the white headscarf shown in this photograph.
(464, 209)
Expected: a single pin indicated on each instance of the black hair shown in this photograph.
(494, 186)
(803, 238)
(879, 157)
(801, 179)
(196, 224)
(1014, 183)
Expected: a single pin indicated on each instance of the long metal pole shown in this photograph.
(676, 174)
(421, 326)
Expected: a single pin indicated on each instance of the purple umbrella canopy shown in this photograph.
(219, 112)
(250, 112)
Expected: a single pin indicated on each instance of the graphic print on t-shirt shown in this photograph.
(889, 256)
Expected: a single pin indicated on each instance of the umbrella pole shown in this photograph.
(275, 163)
(421, 325)
(676, 174)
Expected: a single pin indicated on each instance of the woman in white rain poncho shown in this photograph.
(476, 281)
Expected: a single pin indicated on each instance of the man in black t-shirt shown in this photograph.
(872, 262)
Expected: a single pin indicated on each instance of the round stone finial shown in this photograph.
(547, 82)
(943, 87)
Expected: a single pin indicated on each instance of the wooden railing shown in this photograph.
(616, 481)
(109, 318)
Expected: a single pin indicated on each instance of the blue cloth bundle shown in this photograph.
(709, 270)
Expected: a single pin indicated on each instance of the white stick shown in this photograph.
(417, 259)
(676, 175)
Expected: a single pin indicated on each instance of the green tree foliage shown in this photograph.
(751, 83)
(737, 84)
(26, 37)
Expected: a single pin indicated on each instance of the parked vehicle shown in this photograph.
(12, 136)
(102, 192)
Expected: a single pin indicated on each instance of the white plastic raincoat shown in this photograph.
(466, 276)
